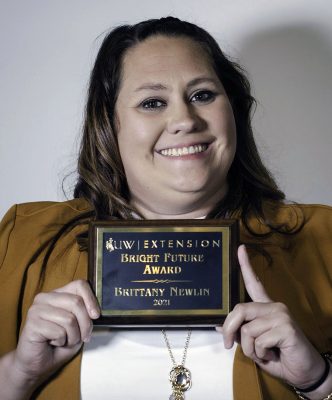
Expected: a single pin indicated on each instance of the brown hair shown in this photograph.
(101, 177)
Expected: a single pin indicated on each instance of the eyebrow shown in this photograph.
(151, 86)
(202, 79)
(159, 86)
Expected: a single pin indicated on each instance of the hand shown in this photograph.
(269, 335)
(57, 324)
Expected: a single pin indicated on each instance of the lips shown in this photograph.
(184, 151)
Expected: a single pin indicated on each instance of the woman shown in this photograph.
(167, 135)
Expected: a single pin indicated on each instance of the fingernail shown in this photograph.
(94, 313)
(87, 339)
(88, 336)
(228, 346)
(219, 329)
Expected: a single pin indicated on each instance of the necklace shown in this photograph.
(180, 376)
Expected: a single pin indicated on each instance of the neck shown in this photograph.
(176, 209)
(155, 214)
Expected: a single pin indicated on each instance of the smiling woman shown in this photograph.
(167, 135)
(176, 133)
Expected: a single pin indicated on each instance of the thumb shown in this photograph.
(252, 283)
(82, 288)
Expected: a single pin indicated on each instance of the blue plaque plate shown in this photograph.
(164, 273)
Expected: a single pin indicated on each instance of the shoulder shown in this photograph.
(307, 233)
(46, 216)
(314, 213)
(316, 230)
(31, 224)
(291, 223)
(45, 213)
(295, 217)
(40, 208)
(309, 218)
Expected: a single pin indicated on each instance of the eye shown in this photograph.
(152, 104)
(203, 96)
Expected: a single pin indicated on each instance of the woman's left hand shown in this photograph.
(269, 335)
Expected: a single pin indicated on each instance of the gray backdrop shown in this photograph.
(48, 47)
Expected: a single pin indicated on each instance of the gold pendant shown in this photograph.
(180, 378)
(176, 396)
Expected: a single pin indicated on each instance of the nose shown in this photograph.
(183, 118)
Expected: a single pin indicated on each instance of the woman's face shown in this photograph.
(176, 129)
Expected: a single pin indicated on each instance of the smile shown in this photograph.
(183, 151)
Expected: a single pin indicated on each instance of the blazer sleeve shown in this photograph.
(6, 228)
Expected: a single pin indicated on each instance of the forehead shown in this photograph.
(163, 58)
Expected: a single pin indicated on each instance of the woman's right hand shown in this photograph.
(57, 324)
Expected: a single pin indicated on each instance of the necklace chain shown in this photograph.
(169, 348)
(180, 376)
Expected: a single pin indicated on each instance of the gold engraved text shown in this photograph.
(156, 269)
(139, 258)
(178, 291)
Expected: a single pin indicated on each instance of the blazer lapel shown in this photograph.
(246, 383)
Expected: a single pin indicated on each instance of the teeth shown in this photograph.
(177, 152)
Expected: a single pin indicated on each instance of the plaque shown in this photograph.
(164, 273)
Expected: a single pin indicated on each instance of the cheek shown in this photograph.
(226, 130)
(139, 132)
(232, 136)
(229, 120)
(227, 140)
(231, 147)
(221, 117)
(136, 146)
(230, 129)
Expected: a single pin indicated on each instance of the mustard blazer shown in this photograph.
(300, 276)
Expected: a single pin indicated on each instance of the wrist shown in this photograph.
(322, 390)
(15, 384)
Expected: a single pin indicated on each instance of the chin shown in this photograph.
(189, 183)
(198, 184)
(189, 187)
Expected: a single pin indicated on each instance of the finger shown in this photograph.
(250, 333)
(219, 328)
(243, 312)
(237, 336)
(247, 343)
(38, 331)
(83, 289)
(42, 314)
(252, 283)
(266, 355)
(68, 322)
(267, 344)
(67, 310)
